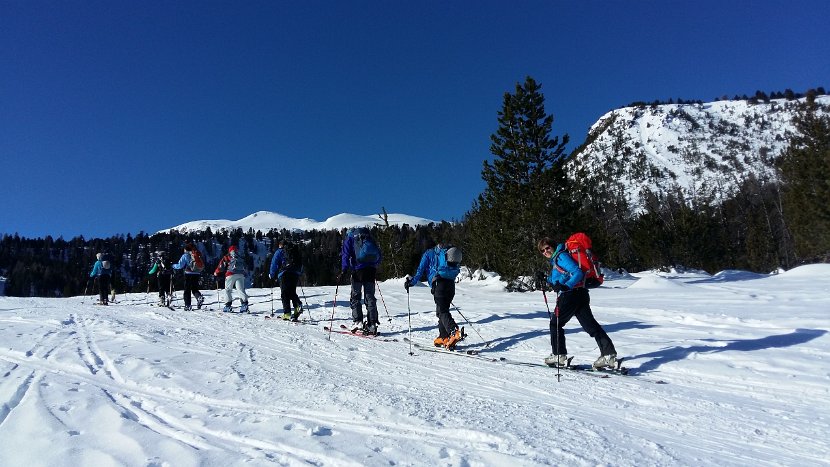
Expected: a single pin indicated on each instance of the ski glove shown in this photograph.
(557, 287)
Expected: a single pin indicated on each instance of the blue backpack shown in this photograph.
(366, 251)
(449, 262)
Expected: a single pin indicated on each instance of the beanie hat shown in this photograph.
(232, 248)
(98, 255)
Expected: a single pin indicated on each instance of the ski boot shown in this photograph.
(298, 310)
(554, 360)
(244, 308)
(286, 316)
(439, 341)
(227, 308)
(606, 362)
(455, 338)
(199, 300)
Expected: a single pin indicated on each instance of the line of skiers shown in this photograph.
(191, 263)
(574, 270)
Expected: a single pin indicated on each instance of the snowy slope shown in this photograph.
(705, 150)
(744, 358)
(265, 221)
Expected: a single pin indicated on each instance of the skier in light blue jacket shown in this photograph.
(572, 300)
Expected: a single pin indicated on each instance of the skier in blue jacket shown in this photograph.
(191, 278)
(361, 255)
(443, 292)
(101, 271)
(572, 299)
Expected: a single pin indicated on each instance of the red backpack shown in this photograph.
(196, 263)
(579, 246)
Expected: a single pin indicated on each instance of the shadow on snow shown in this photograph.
(660, 357)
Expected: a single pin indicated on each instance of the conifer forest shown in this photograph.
(532, 190)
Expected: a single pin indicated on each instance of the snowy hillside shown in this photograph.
(704, 149)
(266, 220)
(727, 370)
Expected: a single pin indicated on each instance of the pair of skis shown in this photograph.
(584, 369)
(345, 330)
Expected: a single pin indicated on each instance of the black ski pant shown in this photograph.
(443, 292)
(363, 287)
(288, 291)
(164, 285)
(191, 286)
(577, 303)
(103, 288)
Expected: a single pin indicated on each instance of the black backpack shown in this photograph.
(293, 258)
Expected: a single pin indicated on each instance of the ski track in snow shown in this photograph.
(136, 384)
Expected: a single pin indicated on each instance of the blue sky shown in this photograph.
(121, 116)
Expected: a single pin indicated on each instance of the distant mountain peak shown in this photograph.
(266, 220)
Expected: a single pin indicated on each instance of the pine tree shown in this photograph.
(805, 174)
(525, 188)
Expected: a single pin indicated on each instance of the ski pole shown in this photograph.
(409, 318)
(382, 300)
(333, 305)
(216, 282)
(486, 344)
(556, 340)
(172, 286)
(546, 302)
(86, 287)
(112, 288)
(302, 289)
(556, 312)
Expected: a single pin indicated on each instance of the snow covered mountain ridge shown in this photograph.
(266, 220)
(705, 150)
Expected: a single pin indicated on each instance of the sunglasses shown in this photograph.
(546, 249)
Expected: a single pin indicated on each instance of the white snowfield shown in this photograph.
(744, 358)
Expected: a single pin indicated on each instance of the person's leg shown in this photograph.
(355, 298)
(586, 319)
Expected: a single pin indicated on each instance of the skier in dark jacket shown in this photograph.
(286, 267)
(162, 269)
(572, 299)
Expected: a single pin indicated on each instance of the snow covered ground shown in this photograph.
(727, 370)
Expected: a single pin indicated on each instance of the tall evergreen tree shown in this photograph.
(526, 187)
(805, 174)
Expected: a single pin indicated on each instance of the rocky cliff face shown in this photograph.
(703, 151)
